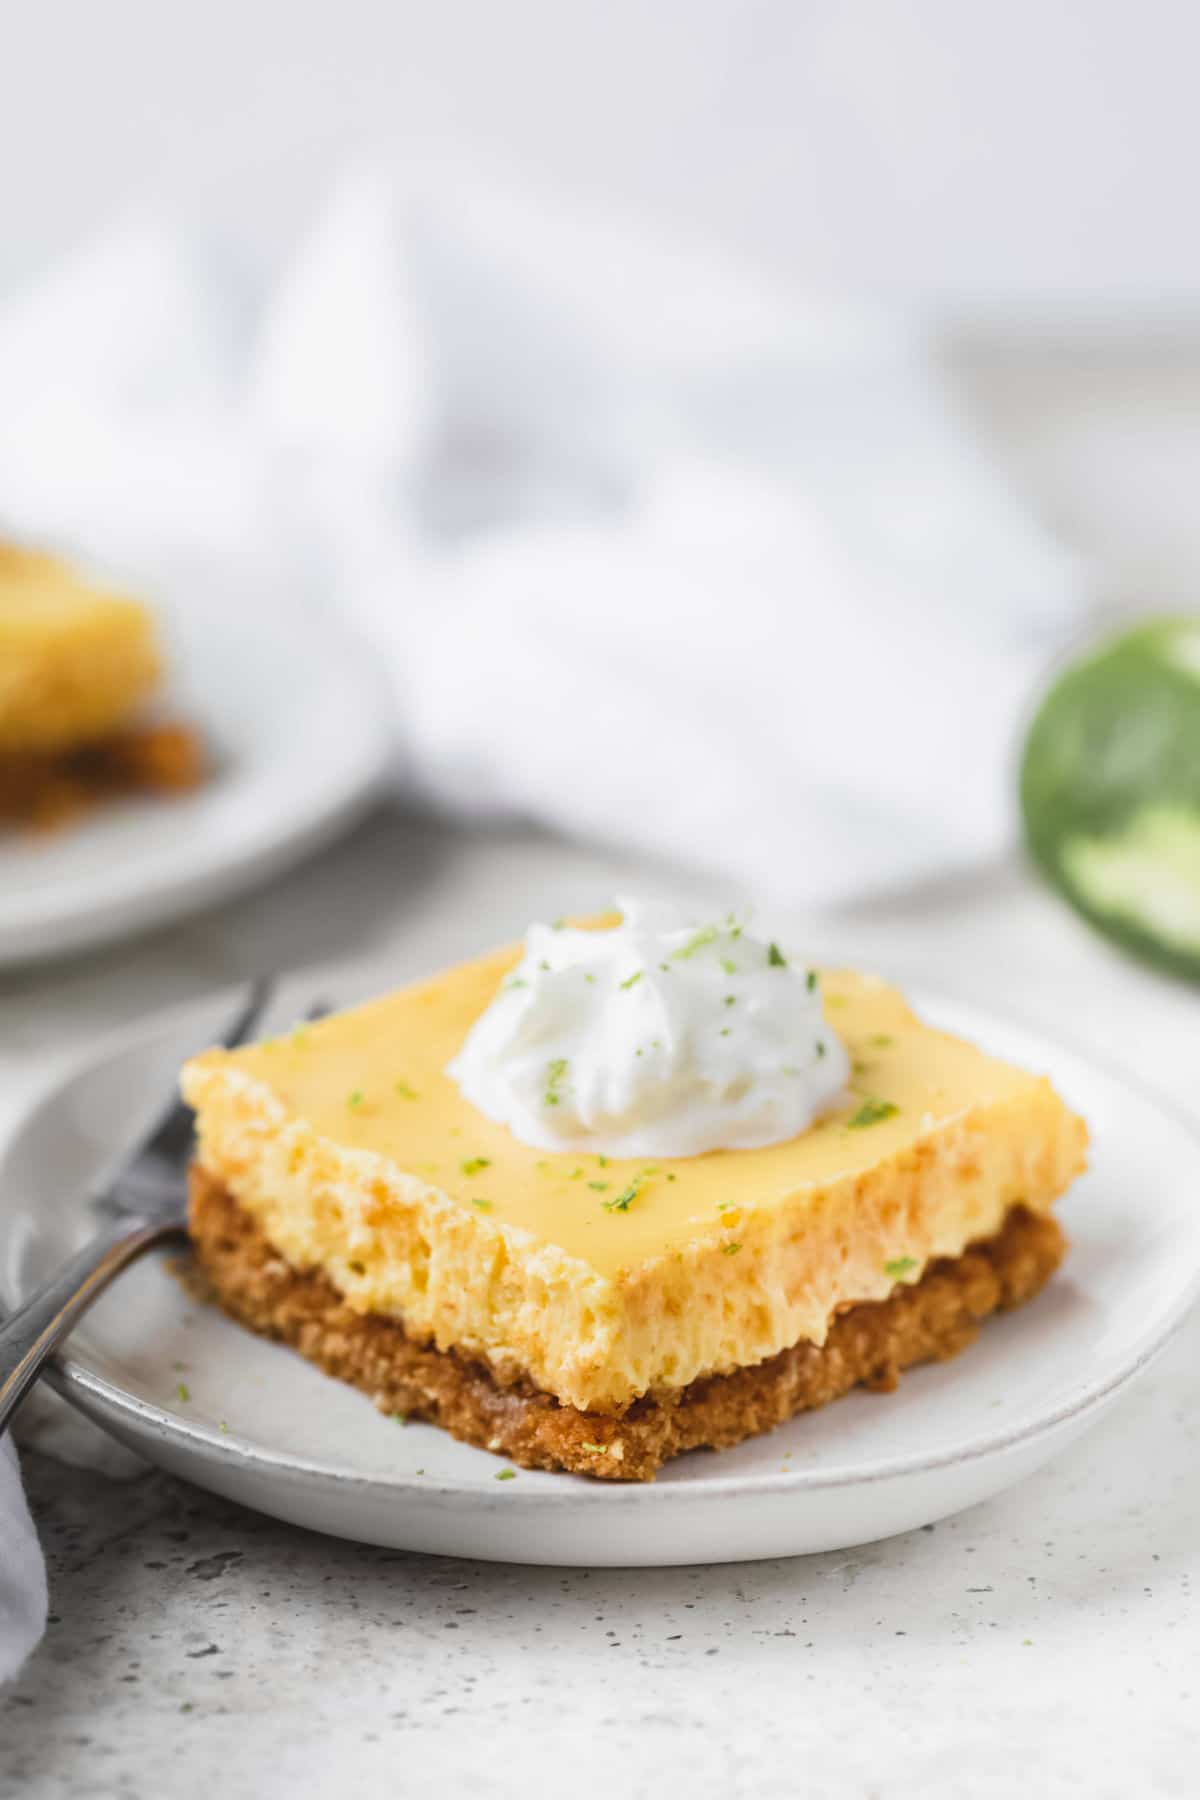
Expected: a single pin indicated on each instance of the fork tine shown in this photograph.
(170, 1138)
(244, 1021)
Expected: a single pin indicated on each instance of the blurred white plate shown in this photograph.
(296, 719)
(262, 1426)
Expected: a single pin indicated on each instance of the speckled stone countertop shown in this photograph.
(1047, 1641)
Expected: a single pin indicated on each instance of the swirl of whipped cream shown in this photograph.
(658, 1037)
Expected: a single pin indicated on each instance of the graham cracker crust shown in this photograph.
(40, 791)
(930, 1320)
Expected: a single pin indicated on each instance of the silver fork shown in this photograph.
(145, 1204)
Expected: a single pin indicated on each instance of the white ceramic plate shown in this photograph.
(263, 1427)
(296, 717)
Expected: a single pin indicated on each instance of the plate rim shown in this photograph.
(48, 932)
(106, 1402)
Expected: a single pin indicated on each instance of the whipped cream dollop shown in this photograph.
(663, 1036)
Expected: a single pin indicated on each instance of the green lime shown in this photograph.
(1110, 790)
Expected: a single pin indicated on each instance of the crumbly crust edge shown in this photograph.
(236, 1267)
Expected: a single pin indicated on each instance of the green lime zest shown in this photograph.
(871, 1112)
(556, 1074)
(625, 1199)
(899, 1267)
(706, 935)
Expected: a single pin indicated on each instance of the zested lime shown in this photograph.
(1110, 790)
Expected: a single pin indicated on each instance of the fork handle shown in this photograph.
(30, 1337)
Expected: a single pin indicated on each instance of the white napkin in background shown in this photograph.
(653, 551)
(629, 525)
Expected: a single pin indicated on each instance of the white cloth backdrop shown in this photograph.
(653, 551)
(627, 523)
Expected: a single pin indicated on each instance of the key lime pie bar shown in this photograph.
(77, 667)
(633, 1189)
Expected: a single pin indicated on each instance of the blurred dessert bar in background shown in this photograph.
(79, 674)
